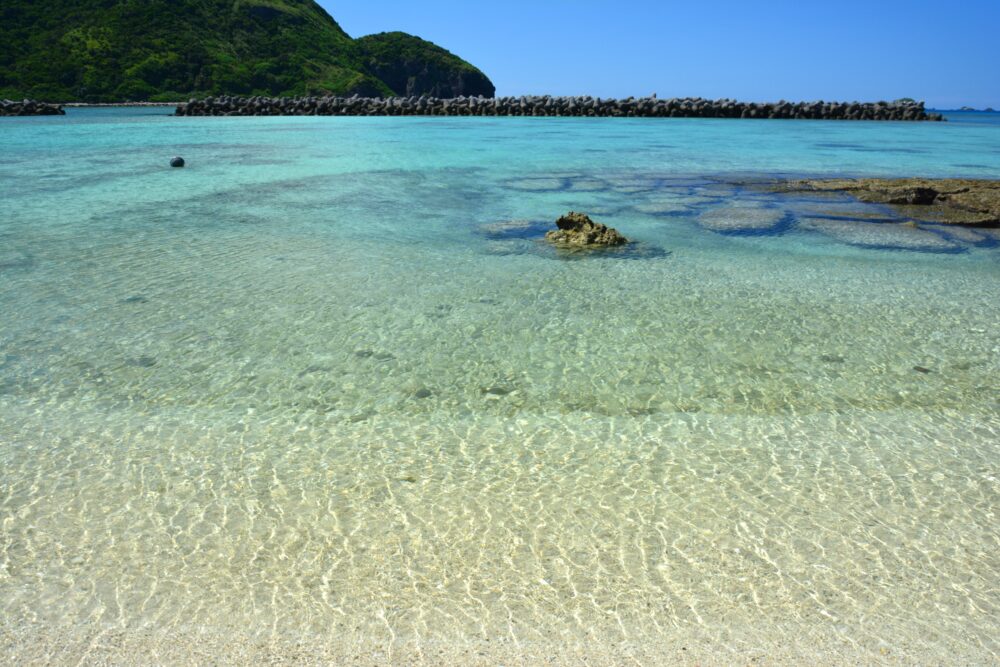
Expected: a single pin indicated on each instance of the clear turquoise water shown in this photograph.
(324, 389)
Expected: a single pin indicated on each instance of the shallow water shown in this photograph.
(326, 386)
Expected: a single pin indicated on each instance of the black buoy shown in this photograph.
(177, 162)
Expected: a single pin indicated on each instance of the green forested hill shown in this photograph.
(115, 50)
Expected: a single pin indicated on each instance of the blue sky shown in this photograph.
(943, 52)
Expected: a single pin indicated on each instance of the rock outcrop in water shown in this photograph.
(631, 107)
(577, 230)
(949, 200)
(30, 108)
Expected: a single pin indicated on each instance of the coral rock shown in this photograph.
(577, 230)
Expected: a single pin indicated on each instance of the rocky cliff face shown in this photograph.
(411, 67)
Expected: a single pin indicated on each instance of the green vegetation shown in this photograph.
(168, 50)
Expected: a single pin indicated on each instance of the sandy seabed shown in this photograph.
(201, 646)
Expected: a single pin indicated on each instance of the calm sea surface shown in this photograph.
(323, 393)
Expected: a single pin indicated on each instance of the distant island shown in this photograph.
(170, 50)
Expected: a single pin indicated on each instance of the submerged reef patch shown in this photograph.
(887, 236)
(744, 220)
(951, 201)
(577, 237)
